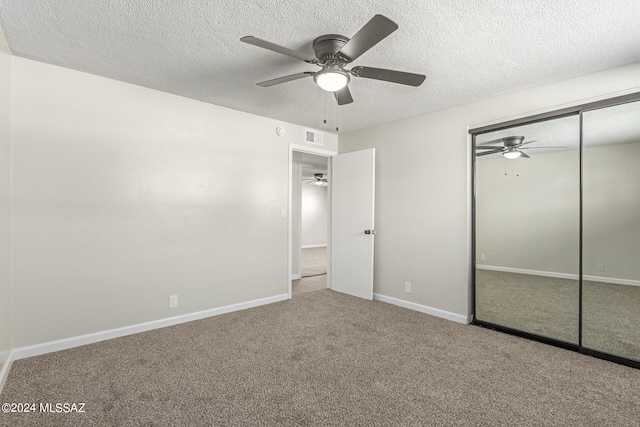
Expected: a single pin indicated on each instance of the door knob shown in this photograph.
(369, 231)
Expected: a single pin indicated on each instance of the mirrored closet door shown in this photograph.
(556, 220)
(527, 211)
(611, 230)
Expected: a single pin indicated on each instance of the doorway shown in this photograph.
(309, 225)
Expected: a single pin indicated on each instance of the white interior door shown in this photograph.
(352, 232)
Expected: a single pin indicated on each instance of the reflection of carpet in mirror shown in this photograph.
(314, 261)
(549, 306)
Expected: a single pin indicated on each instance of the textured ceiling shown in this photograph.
(468, 49)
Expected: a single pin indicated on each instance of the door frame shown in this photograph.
(317, 152)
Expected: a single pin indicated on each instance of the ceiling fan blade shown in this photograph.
(488, 147)
(523, 154)
(389, 75)
(343, 96)
(279, 49)
(285, 79)
(525, 143)
(370, 35)
(490, 142)
(529, 148)
(486, 153)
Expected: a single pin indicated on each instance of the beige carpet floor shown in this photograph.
(314, 261)
(549, 306)
(325, 359)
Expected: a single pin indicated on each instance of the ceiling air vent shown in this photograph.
(313, 137)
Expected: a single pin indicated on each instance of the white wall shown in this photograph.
(5, 200)
(423, 186)
(123, 196)
(314, 215)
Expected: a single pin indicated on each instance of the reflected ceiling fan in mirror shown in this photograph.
(318, 179)
(511, 148)
(334, 52)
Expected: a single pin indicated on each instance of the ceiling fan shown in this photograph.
(333, 52)
(511, 147)
(318, 179)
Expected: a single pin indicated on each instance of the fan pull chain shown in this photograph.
(325, 110)
(337, 121)
(506, 162)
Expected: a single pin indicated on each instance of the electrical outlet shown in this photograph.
(600, 266)
(407, 287)
(482, 257)
(173, 301)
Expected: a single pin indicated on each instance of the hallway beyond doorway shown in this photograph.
(309, 284)
(314, 261)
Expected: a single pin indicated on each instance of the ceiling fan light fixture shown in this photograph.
(512, 154)
(331, 78)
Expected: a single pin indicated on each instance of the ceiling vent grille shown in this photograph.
(312, 137)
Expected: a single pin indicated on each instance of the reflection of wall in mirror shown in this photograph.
(527, 212)
(528, 219)
(611, 211)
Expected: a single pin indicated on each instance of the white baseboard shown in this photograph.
(295, 276)
(531, 272)
(459, 318)
(313, 246)
(612, 280)
(4, 355)
(6, 366)
(560, 275)
(67, 343)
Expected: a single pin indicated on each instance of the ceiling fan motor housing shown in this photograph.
(327, 47)
(512, 141)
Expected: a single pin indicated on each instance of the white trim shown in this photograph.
(289, 225)
(6, 366)
(298, 198)
(329, 221)
(313, 246)
(470, 240)
(295, 277)
(4, 355)
(67, 343)
(613, 280)
(531, 272)
(459, 318)
(312, 150)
